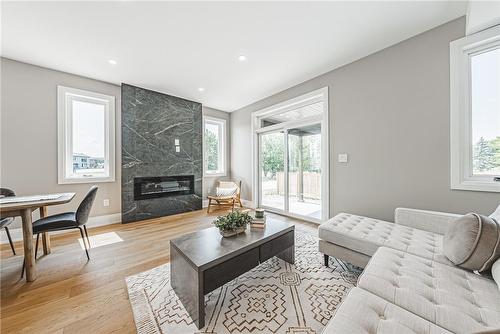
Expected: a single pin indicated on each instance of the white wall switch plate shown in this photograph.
(177, 149)
(177, 142)
(343, 157)
(105, 202)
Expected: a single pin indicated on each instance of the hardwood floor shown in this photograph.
(72, 295)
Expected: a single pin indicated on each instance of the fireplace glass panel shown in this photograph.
(163, 186)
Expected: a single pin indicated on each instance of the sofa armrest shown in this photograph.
(431, 221)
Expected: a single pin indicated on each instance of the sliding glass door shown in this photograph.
(291, 157)
(272, 168)
(290, 170)
(304, 171)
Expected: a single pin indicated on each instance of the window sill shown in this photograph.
(86, 180)
(215, 175)
(477, 186)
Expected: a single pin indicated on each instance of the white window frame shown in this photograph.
(319, 95)
(65, 97)
(461, 50)
(221, 122)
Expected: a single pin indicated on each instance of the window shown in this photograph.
(475, 111)
(214, 139)
(86, 136)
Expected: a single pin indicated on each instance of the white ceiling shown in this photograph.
(176, 47)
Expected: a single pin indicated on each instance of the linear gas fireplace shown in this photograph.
(163, 186)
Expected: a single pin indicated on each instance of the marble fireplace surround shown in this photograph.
(151, 123)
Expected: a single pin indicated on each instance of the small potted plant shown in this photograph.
(233, 223)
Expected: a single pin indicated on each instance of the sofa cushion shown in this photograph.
(472, 242)
(363, 312)
(366, 235)
(455, 299)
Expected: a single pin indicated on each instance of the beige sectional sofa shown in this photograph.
(408, 284)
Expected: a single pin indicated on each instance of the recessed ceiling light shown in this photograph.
(242, 58)
(201, 89)
(112, 62)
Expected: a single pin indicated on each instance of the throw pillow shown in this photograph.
(226, 191)
(473, 242)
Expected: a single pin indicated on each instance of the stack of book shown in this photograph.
(258, 222)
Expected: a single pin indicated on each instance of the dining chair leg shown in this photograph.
(87, 235)
(36, 244)
(10, 240)
(84, 243)
(209, 203)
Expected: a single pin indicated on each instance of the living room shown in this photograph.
(250, 167)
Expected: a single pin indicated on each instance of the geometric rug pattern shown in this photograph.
(274, 297)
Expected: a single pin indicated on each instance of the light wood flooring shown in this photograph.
(72, 295)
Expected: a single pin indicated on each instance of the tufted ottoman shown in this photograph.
(356, 238)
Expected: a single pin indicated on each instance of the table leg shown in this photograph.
(288, 255)
(45, 235)
(29, 251)
(187, 284)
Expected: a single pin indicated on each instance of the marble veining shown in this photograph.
(151, 122)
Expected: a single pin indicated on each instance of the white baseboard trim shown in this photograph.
(17, 235)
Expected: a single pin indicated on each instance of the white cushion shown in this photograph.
(455, 299)
(366, 235)
(226, 191)
(495, 272)
(496, 215)
(362, 312)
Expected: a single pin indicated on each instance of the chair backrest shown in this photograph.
(231, 184)
(6, 192)
(83, 211)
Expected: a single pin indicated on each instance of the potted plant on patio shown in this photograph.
(233, 223)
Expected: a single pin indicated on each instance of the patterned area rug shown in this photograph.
(274, 297)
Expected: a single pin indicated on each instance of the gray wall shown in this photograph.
(209, 182)
(29, 134)
(390, 112)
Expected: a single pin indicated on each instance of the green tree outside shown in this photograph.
(495, 144)
(211, 151)
(273, 150)
(486, 154)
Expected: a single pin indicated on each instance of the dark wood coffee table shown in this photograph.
(204, 261)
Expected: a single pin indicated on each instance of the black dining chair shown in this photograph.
(67, 221)
(5, 222)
